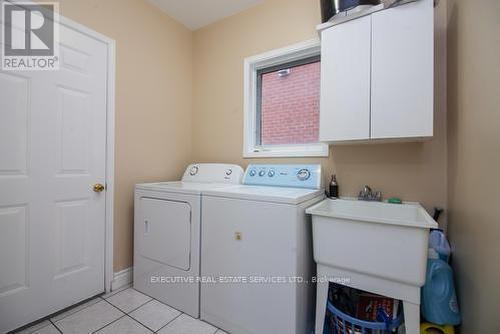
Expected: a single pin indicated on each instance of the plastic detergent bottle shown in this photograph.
(438, 242)
(439, 300)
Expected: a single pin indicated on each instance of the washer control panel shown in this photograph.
(296, 176)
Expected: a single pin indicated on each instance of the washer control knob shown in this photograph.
(193, 171)
(271, 173)
(262, 173)
(229, 171)
(303, 174)
(253, 172)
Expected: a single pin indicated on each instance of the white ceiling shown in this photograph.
(195, 14)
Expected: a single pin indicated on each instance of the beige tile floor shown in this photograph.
(124, 311)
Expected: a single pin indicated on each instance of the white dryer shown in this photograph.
(167, 223)
(257, 251)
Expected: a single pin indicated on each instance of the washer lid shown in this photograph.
(266, 194)
(181, 187)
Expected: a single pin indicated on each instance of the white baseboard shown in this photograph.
(122, 278)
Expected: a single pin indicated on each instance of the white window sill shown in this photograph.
(287, 151)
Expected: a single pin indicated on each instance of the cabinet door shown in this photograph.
(403, 71)
(345, 81)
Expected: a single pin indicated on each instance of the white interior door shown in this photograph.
(52, 151)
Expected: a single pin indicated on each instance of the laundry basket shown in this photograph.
(342, 323)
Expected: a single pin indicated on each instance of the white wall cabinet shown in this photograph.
(377, 76)
(345, 81)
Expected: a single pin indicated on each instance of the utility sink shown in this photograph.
(371, 246)
(412, 215)
(374, 238)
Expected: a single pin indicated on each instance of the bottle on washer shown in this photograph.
(334, 187)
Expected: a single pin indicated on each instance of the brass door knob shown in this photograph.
(98, 187)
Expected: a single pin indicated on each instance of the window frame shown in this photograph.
(255, 65)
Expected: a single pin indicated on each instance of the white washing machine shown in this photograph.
(257, 251)
(167, 224)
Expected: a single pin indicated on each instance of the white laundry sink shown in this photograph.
(371, 246)
(388, 241)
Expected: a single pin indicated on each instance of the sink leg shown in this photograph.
(321, 298)
(412, 317)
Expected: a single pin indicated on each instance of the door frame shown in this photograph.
(110, 137)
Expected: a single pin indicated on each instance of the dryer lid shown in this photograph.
(181, 187)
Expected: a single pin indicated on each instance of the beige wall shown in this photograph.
(159, 130)
(474, 159)
(414, 171)
(179, 98)
(153, 99)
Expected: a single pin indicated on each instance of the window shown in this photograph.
(282, 90)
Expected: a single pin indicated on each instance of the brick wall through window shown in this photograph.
(290, 106)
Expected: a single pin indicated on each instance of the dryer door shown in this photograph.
(166, 232)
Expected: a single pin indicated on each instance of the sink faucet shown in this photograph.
(368, 195)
